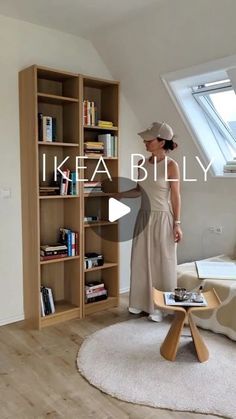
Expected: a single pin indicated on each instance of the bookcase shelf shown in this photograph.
(59, 260)
(59, 197)
(60, 96)
(46, 98)
(98, 224)
(106, 265)
(98, 157)
(57, 144)
(96, 127)
(64, 311)
(93, 308)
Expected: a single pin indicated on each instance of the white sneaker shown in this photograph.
(134, 310)
(156, 316)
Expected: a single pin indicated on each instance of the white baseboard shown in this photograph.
(124, 290)
(11, 319)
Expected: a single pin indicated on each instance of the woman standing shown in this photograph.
(157, 230)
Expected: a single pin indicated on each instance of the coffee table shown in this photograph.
(182, 315)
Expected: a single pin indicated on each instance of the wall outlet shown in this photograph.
(216, 229)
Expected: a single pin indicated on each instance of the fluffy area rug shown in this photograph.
(124, 361)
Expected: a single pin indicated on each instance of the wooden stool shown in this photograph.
(181, 314)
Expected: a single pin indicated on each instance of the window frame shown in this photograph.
(179, 87)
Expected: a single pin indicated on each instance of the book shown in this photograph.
(40, 126)
(42, 305)
(64, 182)
(102, 123)
(47, 128)
(96, 299)
(53, 252)
(46, 301)
(94, 285)
(53, 247)
(215, 270)
(51, 301)
(54, 129)
(60, 256)
(170, 300)
(107, 140)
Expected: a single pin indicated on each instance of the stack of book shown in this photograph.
(230, 166)
(105, 124)
(65, 184)
(49, 190)
(55, 251)
(71, 240)
(46, 128)
(110, 144)
(95, 291)
(93, 148)
(92, 187)
(89, 113)
(46, 301)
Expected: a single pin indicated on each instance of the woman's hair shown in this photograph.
(169, 144)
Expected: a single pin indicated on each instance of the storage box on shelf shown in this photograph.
(52, 125)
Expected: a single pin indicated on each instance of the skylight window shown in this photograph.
(205, 98)
(218, 102)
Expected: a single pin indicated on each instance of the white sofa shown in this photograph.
(222, 320)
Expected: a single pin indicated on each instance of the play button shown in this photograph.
(116, 219)
(117, 210)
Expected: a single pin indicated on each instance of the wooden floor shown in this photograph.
(39, 379)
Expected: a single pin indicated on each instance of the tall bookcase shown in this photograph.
(61, 94)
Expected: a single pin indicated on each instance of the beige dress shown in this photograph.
(153, 256)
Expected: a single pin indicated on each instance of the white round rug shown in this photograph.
(124, 361)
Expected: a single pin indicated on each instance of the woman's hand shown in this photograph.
(117, 195)
(177, 233)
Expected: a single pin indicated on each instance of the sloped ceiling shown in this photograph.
(78, 17)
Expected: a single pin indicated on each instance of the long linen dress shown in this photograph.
(153, 255)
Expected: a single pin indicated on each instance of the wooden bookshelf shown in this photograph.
(105, 94)
(60, 94)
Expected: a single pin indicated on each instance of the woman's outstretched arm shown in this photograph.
(173, 173)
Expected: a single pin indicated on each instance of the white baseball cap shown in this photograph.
(158, 130)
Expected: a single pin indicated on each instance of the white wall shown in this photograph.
(171, 36)
(23, 44)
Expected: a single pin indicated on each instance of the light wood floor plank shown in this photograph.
(39, 377)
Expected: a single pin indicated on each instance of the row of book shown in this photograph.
(94, 187)
(68, 246)
(66, 184)
(46, 301)
(46, 128)
(230, 166)
(95, 291)
(89, 113)
(90, 116)
(106, 145)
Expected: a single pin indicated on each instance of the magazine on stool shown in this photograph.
(189, 301)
